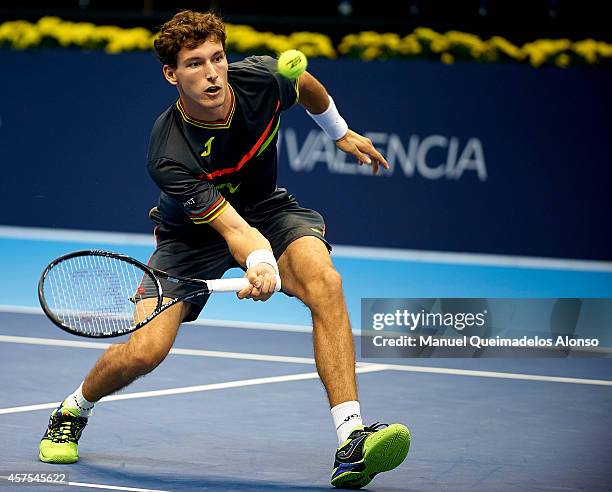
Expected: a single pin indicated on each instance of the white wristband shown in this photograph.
(330, 121)
(264, 256)
(261, 256)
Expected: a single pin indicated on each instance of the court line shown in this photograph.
(475, 259)
(7, 308)
(93, 486)
(77, 236)
(195, 389)
(52, 342)
(112, 487)
(251, 325)
(498, 375)
(343, 251)
(306, 360)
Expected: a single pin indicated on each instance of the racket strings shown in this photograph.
(97, 295)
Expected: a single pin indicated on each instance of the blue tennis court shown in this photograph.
(237, 405)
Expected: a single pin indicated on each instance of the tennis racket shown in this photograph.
(99, 294)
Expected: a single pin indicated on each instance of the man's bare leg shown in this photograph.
(120, 365)
(147, 347)
(307, 272)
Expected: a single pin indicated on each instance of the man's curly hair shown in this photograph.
(187, 29)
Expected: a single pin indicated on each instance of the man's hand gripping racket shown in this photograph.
(100, 294)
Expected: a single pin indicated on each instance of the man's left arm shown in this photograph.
(321, 107)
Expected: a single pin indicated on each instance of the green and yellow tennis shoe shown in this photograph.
(368, 451)
(61, 441)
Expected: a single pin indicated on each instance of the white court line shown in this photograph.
(251, 325)
(196, 389)
(217, 323)
(95, 486)
(77, 236)
(498, 375)
(306, 360)
(6, 308)
(368, 253)
(112, 487)
(476, 259)
(52, 342)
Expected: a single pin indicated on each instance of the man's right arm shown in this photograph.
(251, 249)
(206, 207)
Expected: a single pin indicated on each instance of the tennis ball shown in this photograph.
(292, 64)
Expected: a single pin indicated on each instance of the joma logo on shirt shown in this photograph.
(207, 146)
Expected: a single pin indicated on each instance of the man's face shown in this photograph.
(201, 76)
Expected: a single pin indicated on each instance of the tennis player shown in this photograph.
(213, 156)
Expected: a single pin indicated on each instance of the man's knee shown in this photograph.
(142, 359)
(144, 351)
(326, 284)
(332, 281)
(148, 347)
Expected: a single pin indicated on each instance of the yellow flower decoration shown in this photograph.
(447, 58)
(423, 42)
(562, 60)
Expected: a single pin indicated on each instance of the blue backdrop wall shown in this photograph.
(501, 159)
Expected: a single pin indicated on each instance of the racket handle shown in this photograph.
(234, 284)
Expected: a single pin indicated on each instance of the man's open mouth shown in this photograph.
(213, 89)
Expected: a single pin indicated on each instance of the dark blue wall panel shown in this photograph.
(486, 158)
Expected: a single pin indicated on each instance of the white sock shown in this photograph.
(346, 417)
(77, 400)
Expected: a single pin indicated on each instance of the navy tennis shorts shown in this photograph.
(198, 251)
